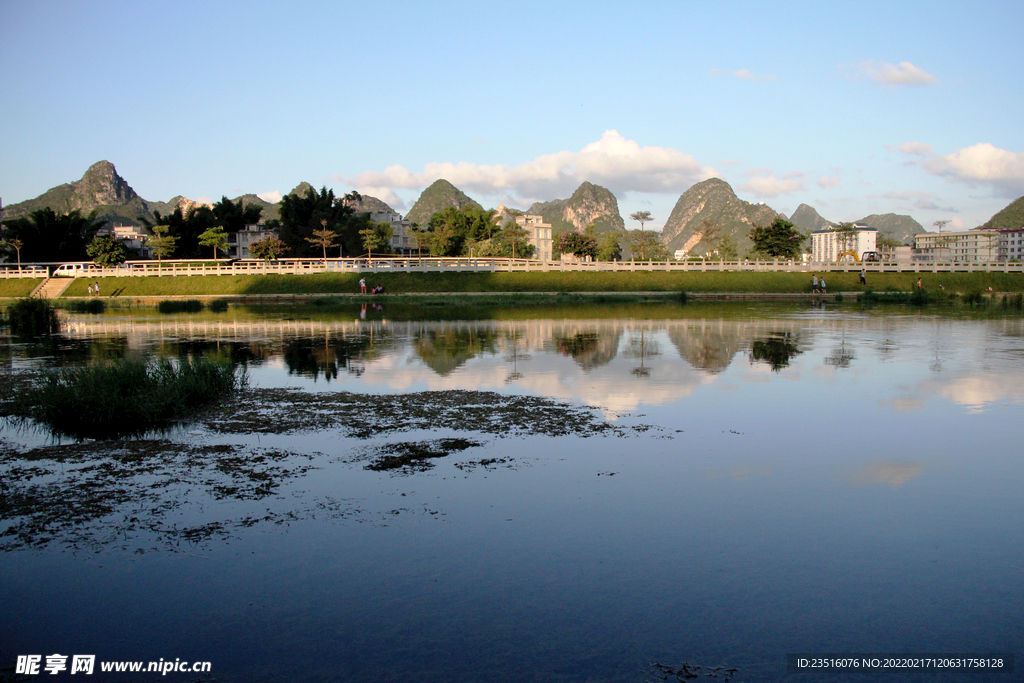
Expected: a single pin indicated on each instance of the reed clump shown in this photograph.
(32, 317)
(126, 397)
(96, 306)
(180, 306)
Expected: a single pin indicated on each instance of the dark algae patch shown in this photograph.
(167, 494)
(285, 411)
(416, 456)
(688, 672)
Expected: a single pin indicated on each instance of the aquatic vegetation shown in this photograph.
(180, 306)
(416, 456)
(218, 305)
(126, 397)
(33, 316)
(87, 306)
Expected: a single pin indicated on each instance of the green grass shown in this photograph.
(17, 287)
(32, 317)
(126, 397)
(402, 283)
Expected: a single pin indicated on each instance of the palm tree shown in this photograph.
(642, 217)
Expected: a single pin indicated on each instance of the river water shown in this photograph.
(597, 493)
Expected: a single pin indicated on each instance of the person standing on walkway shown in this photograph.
(814, 284)
(362, 285)
(821, 284)
(863, 276)
(919, 285)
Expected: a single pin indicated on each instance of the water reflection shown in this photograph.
(618, 363)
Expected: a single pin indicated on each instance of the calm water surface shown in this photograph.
(781, 479)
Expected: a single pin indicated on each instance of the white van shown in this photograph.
(73, 269)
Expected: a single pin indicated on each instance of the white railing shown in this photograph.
(493, 265)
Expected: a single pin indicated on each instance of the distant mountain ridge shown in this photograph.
(589, 205)
(892, 225)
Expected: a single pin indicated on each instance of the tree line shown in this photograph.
(311, 224)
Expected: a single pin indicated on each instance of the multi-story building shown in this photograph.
(238, 242)
(1011, 245)
(978, 244)
(539, 235)
(403, 241)
(828, 246)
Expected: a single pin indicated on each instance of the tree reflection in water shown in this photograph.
(311, 356)
(776, 349)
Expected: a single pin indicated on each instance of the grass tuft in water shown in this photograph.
(32, 317)
(1014, 301)
(126, 397)
(180, 306)
(87, 306)
(218, 305)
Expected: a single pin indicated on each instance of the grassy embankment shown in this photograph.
(426, 283)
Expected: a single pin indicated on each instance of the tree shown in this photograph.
(107, 251)
(846, 237)
(17, 245)
(781, 239)
(47, 236)
(302, 215)
(609, 248)
(577, 243)
(268, 249)
(375, 237)
(351, 198)
(161, 242)
(234, 217)
(642, 217)
(646, 245)
(323, 237)
(453, 232)
(215, 237)
(512, 241)
(727, 248)
(710, 235)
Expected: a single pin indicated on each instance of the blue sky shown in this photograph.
(853, 108)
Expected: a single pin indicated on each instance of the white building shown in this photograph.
(238, 242)
(133, 237)
(1011, 245)
(539, 235)
(967, 245)
(403, 240)
(829, 246)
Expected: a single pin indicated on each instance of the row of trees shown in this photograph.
(310, 224)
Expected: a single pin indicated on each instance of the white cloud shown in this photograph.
(743, 75)
(615, 162)
(982, 164)
(273, 196)
(903, 73)
(916, 149)
(764, 183)
(825, 182)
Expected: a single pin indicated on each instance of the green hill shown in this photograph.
(436, 198)
(589, 205)
(101, 189)
(895, 226)
(713, 200)
(1012, 217)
